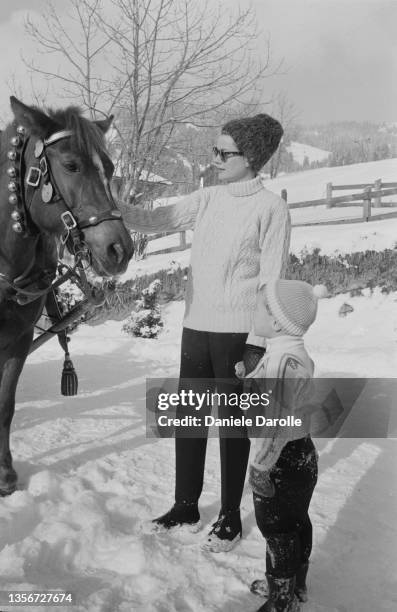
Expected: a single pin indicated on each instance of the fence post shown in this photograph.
(284, 194)
(377, 199)
(367, 203)
(328, 197)
(182, 240)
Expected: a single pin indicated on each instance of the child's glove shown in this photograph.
(239, 369)
(251, 357)
(260, 482)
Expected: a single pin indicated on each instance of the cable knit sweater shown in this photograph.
(241, 239)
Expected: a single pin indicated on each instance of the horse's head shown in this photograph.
(67, 176)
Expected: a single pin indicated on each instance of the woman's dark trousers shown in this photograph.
(211, 356)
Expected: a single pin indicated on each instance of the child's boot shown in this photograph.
(281, 560)
(300, 586)
(260, 586)
(281, 596)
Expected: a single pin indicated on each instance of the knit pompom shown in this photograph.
(320, 291)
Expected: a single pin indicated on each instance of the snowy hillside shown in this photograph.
(90, 478)
(311, 185)
(301, 151)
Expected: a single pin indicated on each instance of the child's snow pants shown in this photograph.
(283, 519)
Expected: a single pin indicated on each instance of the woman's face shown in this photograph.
(235, 167)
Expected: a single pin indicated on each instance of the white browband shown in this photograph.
(57, 136)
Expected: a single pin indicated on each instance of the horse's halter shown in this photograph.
(21, 198)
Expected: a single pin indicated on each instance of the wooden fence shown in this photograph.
(371, 195)
(182, 238)
(377, 186)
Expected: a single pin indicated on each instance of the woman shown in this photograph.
(241, 239)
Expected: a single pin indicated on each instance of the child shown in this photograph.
(283, 473)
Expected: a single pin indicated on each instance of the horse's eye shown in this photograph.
(72, 166)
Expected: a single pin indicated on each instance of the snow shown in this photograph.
(192, 126)
(311, 185)
(150, 177)
(146, 176)
(301, 151)
(90, 479)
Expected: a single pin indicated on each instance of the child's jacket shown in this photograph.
(285, 371)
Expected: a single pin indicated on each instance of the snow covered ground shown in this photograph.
(89, 476)
(311, 185)
(301, 151)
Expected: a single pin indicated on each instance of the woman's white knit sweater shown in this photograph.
(241, 239)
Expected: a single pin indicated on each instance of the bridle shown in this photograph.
(20, 197)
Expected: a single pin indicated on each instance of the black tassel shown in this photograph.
(69, 381)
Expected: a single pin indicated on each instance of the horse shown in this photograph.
(55, 176)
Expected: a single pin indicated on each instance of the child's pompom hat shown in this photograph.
(293, 303)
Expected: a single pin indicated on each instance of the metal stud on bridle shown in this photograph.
(13, 187)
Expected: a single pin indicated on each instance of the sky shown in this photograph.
(339, 56)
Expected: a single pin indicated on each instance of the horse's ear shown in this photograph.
(33, 119)
(104, 124)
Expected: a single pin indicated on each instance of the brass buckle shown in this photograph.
(34, 176)
(43, 166)
(68, 220)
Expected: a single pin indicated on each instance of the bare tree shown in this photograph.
(156, 64)
(284, 111)
(76, 41)
(18, 89)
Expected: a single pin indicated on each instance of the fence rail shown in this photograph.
(375, 187)
(182, 237)
(371, 196)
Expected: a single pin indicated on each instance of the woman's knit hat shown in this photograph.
(293, 303)
(257, 137)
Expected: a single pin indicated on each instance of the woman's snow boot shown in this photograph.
(182, 514)
(225, 532)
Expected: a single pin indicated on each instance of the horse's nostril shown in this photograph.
(117, 251)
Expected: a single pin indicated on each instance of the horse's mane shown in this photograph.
(87, 138)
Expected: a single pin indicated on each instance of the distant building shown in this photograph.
(150, 184)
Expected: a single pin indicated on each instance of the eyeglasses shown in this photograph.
(224, 155)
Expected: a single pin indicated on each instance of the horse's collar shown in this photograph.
(19, 196)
